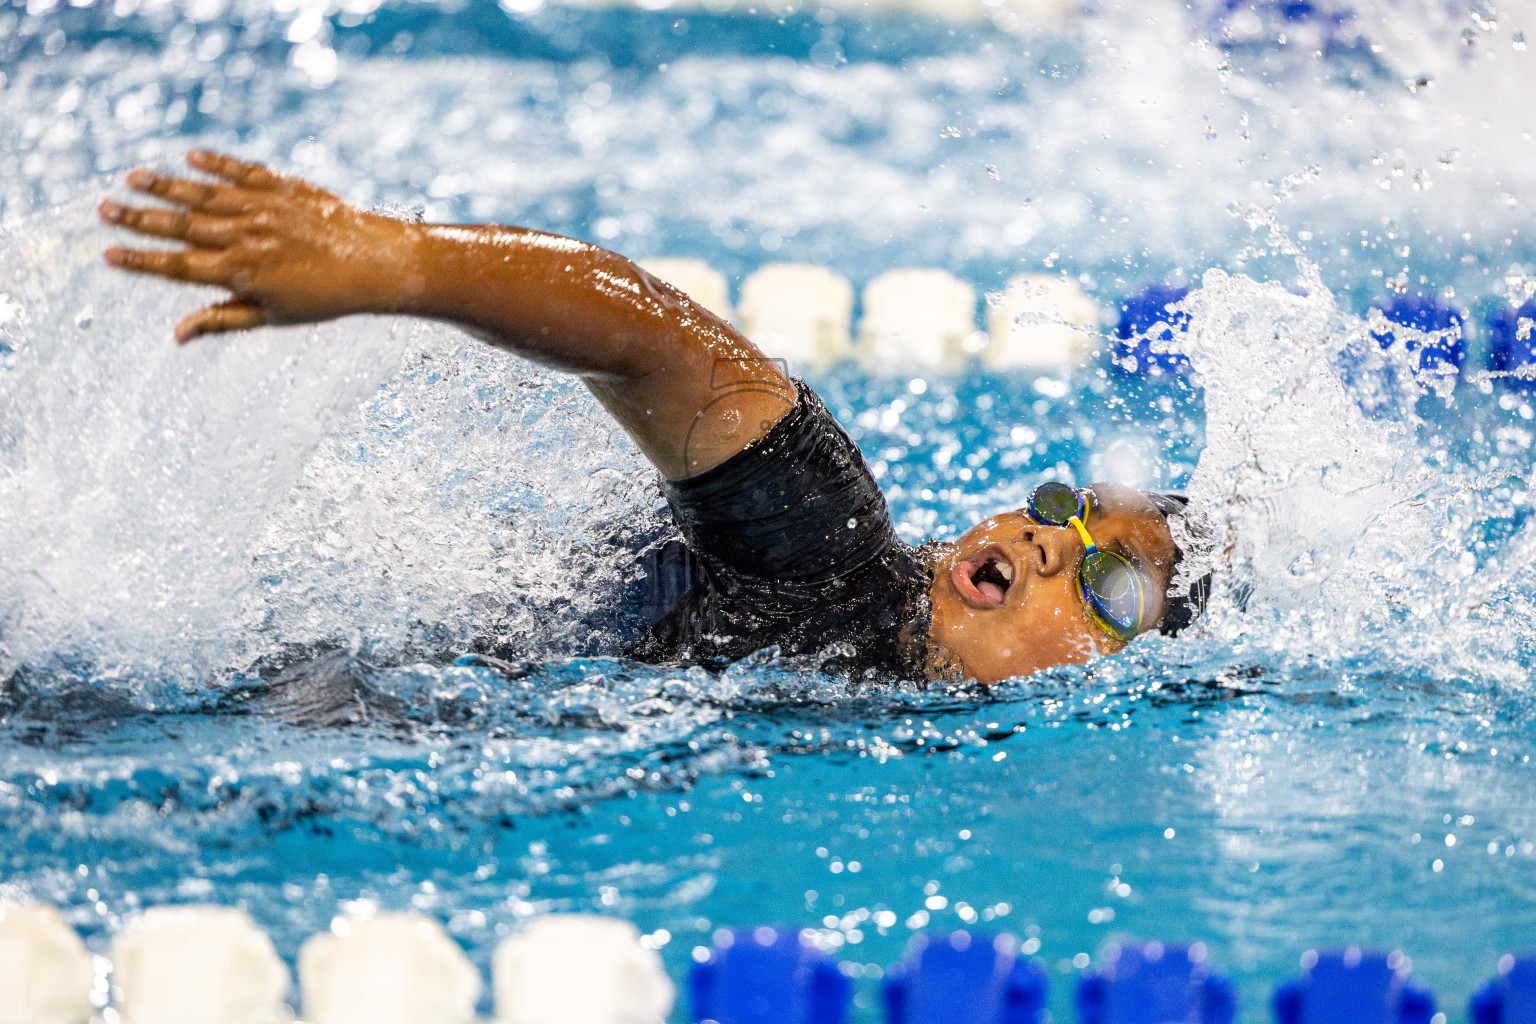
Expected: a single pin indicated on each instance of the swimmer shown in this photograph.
(788, 540)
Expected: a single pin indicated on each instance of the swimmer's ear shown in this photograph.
(234, 315)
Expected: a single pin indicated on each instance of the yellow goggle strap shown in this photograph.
(1082, 531)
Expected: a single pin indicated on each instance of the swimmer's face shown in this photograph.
(999, 627)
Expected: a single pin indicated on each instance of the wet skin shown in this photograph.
(289, 252)
(990, 633)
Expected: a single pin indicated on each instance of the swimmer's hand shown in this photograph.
(685, 384)
(290, 252)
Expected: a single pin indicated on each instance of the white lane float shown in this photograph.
(45, 972)
(800, 312)
(918, 318)
(386, 969)
(197, 965)
(579, 969)
(1040, 322)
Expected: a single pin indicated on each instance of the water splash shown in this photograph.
(168, 514)
(135, 474)
(1329, 516)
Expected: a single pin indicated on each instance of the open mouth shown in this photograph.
(984, 580)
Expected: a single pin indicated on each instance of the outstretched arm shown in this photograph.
(686, 385)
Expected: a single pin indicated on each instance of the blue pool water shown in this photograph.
(1340, 753)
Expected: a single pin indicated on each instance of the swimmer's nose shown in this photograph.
(1054, 548)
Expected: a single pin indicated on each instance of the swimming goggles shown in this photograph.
(1111, 588)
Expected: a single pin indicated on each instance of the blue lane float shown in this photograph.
(1353, 986)
(1507, 351)
(1153, 983)
(1294, 11)
(966, 978)
(1138, 330)
(1426, 314)
(767, 976)
(1510, 996)
(749, 976)
(1266, 23)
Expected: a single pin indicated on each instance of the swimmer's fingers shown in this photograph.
(186, 225)
(253, 177)
(203, 196)
(234, 315)
(200, 266)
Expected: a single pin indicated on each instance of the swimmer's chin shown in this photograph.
(945, 666)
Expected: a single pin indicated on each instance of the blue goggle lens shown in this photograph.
(1052, 504)
(1113, 591)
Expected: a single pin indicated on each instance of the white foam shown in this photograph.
(1044, 12)
(389, 969)
(1041, 12)
(137, 472)
(579, 969)
(45, 972)
(197, 965)
(798, 311)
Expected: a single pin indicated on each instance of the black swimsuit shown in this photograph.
(789, 542)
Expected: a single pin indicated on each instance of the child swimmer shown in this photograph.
(789, 535)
